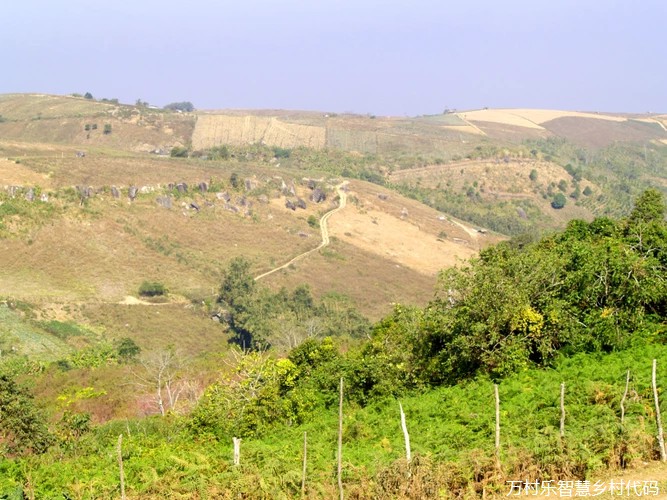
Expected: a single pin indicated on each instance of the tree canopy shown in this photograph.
(184, 106)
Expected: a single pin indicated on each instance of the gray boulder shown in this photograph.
(164, 201)
(318, 195)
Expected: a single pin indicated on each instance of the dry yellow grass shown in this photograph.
(372, 282)
(403, 231)
(100, 253)
(12, 174)
(214, 130)
(32, 106)
(466, 129)
(529, 118)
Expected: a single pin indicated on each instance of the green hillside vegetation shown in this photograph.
(580, 307)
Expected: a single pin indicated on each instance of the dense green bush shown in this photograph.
(185, 106)
(558, 201)
(152, 289)
(179, 152)
(23, 429)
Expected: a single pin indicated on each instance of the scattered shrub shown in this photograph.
(558, 201)
(179, 152)
(152, 289)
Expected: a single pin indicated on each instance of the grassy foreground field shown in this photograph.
(451, 431)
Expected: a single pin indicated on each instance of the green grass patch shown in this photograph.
(451, 429)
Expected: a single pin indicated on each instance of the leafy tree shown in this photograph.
(127, 349)
(587, 191)
(237, 282)
(88, 95)
(22, 427)
(237, 293)
(596, 286)
(533, 175)
(558, 201)
(184, 106)
(107, 129)
(258, 394)
(649, 207)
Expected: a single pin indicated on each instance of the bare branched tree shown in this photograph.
(164, 373)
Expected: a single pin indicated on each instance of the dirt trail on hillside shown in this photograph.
(323, 228)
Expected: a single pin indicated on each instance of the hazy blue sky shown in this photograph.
(367, 56)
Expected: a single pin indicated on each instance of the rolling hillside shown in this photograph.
(444, 186)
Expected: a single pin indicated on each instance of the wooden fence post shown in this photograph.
(562, 410)
(237, 451)
(661, 439)
(406, 436)
(495, 390)
(303, 473)
(625, 395)
(340, 440)
(120, 466)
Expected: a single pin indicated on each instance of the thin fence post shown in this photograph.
(495, 390)
(120, 466)
(625, 395)
(340, 440)
(562, 410)
(408, 454)
(237, 451)
(305, 462)
(661, 439)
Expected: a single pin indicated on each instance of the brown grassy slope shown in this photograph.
(405, 231)
(63, 120)
(594, 133)
(445, 136)
(102, 251)
(592, 130)
(508, 132)
(385, 249)
(372, 282)
(106, 251)
(213, 130)
(42, 106)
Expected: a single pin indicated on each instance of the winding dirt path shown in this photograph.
(323, 228)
